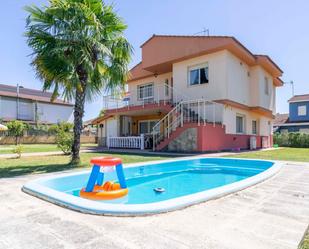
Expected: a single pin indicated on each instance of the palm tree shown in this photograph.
(79, 51)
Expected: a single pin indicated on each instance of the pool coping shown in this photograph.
(92, 207)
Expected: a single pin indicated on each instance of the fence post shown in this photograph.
(181, 111)
(108, 142)
(214, 115)
(142, 141)
(154, 141)
(204, 113)
(198, 113)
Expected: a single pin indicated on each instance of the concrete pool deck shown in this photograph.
(273, 214)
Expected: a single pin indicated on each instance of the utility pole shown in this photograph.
(292, 84)
(17, 101)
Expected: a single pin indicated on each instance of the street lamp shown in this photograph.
(17, 100)
(292, 84)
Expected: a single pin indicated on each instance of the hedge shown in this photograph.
(292, 139)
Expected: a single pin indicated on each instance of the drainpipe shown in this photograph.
(17, 101)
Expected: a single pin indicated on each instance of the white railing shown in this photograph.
(136, 142)
(149, 94)
(199, 111)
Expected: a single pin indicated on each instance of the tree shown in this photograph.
(79, 51)
(102, 113)
(16, 129)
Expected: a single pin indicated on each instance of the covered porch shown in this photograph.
(129, 128)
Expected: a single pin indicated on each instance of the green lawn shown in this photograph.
(284, 154)
(8, 149)
(45, 164)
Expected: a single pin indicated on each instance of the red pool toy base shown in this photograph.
(108, 191)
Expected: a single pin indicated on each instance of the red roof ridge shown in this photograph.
(299, 98)
(188, 36)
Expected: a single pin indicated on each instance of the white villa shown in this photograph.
(194, 93)
(32, 106)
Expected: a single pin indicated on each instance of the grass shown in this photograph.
(46, 164)
(283, 154)
(31, 148)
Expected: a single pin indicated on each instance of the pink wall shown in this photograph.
(212, 138)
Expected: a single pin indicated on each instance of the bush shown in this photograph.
(292, 139)
(53, 129)
(64, 141)
(16, 129)
(18, 150)
(63, 126)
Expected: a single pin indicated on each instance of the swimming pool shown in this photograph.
(184, 182)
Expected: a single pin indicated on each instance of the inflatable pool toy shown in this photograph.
(95, 188)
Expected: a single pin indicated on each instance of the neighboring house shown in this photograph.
(32, 106)
(195, 93)
(89, 128)
(297, 120)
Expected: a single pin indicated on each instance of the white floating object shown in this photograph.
(159, 190)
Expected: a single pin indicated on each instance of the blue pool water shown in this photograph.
(178, 178)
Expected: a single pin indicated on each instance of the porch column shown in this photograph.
(142, 141)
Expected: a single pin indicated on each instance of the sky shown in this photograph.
(278, 28)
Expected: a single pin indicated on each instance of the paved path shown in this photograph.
(50, 153)
(271, 215)
(130, 151)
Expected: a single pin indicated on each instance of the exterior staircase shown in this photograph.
(184, 115)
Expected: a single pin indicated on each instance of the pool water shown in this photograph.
(185, 182)
(180, 178)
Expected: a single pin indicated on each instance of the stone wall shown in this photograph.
(186, 141)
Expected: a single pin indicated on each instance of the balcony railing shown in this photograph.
(143, 95)
(136, 142)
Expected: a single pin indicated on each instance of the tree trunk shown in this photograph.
(79, 107)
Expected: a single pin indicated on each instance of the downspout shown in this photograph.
(17, 101)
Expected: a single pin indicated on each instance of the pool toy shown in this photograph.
(95, 188)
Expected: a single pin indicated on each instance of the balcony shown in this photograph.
(148, 97)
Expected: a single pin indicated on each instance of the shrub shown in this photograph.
(292, 139)
(63, 126)
(18, 149)
(53, 129)
(64, 141)
(16, 129)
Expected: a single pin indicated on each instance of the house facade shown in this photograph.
(297, 120)
(196, 93)
(32, 106)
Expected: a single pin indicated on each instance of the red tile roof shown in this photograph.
(281, 119)
(137, 72)
(31, 94)
(159, 52)
(299, 98)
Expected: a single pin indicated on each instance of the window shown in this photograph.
(266, 85)
(254, 127)
(240, 123)
(198, 76)
(145, 127)
(145, 91)
(302, 110)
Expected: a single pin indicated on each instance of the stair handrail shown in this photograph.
(178, 112)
